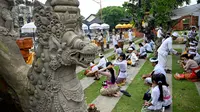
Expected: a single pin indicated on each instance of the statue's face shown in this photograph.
(85, 56)
(80, 56)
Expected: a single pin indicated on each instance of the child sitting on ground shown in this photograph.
(160, 95)
(132, 59)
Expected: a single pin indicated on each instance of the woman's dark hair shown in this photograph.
(112, 72)
(116, 46)
(140, 44)
(130, 43)
(160, 80)
(191, 56)
(123, 56)
(185, 56)
(188, 56)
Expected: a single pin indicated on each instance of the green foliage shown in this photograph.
(112, 15)
(198, 1)
(160, 11)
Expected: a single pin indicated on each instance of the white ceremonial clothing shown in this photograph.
(197, 58)
(133, 45)
(118, 37)
(142, 51)
(114, 39)
(185, 37)
(118, 51)
(130, 36)
(166, 96)
(156, 105)
(164, 50)
(100, 39)
(107, 36)
(148, 47)
(152, 44)
(158, 69)
(122, 67)
(95, 68)
(159, 33)
(102, 62)
(133, 58)
(191, 34)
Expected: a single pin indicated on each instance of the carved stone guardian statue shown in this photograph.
(51, 84)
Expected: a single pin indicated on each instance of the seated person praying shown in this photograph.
(142, 54)
(148, 47)
(118, 50)
(101, 64)
(132, 59)
(92, 72)
(110, 87)
(122, 63)
(190, 66)
(158, 69)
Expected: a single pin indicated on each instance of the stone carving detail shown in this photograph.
(51, 84)
(55, 87)
(6, 19)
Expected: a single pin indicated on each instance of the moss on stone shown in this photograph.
(3, 47)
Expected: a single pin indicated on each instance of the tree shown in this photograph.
(112, 15)
(155, 12)
(198, 1)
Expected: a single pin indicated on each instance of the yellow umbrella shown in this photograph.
(129, 25)
(124, 26)
(118, 26)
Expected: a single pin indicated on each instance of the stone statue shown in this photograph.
(6, 20)
(51, 84)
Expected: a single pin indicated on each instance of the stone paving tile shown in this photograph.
(106, 104)
(169, 79)
(198, 87)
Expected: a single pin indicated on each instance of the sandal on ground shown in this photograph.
(168, 71)
(125, 93)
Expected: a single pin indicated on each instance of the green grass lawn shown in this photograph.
(185, 94)
(137, 90)
(92, 92)
(81, 74)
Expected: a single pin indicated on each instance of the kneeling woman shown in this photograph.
(110, 87)
(160, 95)
(122, 63)
(190, 66)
